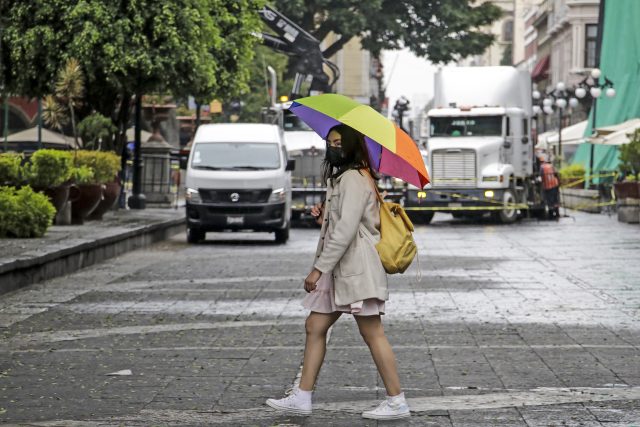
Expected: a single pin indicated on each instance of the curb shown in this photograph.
(26, 271)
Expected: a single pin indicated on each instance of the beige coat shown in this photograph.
(352, 216)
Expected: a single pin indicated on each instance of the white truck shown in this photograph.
(480, 153)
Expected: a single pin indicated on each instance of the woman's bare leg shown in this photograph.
(373, 333)
(317, 325)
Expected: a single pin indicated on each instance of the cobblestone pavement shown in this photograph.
(535, 324)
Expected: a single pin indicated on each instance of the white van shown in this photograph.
(238, 178)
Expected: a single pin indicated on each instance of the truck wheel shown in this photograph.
(508, 215)
(423, 217)
(194, 235)
(282, 235)
(427, 217)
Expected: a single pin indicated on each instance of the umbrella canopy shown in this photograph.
(619, 134)
(571, 135)
(391, 150)
(49, 137)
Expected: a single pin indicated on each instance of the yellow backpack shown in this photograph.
(396, 246)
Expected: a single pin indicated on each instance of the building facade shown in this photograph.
(501, 51)
(359, 70)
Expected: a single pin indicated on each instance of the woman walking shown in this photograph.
(347, 275)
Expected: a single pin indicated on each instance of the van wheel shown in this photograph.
(508, 215)
(282, 235)
(194, 235)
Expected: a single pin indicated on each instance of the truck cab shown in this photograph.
(480, 154)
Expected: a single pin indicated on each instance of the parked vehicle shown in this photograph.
(479, 145)
(238, 178)
(308, 150)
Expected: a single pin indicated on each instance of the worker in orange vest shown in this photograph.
(550, 187)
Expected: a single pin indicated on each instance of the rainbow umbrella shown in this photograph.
(391, 150)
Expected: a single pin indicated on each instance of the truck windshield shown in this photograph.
(292, 122)
(235, 156)
(466, 126)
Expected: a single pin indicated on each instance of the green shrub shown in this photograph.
(24, 212)
(83, 175)
(630, 156)
(96, 130)
(572, 172)
(49, 168)
(105, 165)
(10, 168)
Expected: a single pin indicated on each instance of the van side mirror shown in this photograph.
(291, 165)
(525, 139)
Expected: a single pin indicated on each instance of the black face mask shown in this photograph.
(336, 157)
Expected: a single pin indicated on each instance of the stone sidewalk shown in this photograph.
(65, 249)
(503, 329)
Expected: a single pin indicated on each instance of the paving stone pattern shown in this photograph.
(534, 324)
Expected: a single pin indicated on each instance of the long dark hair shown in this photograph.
(355, 151)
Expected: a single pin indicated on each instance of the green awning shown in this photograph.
(620, 62)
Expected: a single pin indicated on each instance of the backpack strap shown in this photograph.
(375, 187)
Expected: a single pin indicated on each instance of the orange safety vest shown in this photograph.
(549, 179)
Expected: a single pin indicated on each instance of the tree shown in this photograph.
(60, 107)
(441, 30)
(70, 89)
(257, 95)
(96, 131)
(181, 47)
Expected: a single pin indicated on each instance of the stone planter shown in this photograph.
(580, 199)
(627, 189)
(89, 198)
(629, 210)
(109, 198)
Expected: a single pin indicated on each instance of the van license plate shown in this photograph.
(235, 220)
(455, 205)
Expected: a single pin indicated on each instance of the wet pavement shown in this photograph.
(533, 324)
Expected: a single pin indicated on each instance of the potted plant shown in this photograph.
(630, 169)
(106, 168)
(572, 176)
(24, 212)
(90, 193)
(11, 169)
(48, 172)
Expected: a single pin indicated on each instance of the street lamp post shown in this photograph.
(591, 88)
(559, 98)
(401, 106)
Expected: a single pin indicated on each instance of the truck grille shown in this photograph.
(454, 168)
(244, 196)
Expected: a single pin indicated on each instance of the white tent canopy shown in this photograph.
(618, 134)
(571, 135)
(48, 137)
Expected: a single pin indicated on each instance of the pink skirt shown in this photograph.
(322, 300)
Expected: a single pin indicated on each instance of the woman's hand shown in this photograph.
(311, 280)
(317, 211)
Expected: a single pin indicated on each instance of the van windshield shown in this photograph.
(235, 156)
(466, 126)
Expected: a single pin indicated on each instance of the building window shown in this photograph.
(591, 41)
(507, 31)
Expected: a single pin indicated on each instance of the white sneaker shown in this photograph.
(297, 403)
(391, 408)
